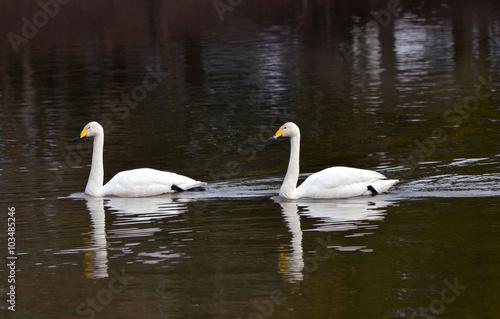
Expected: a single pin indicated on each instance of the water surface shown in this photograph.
(179, 86)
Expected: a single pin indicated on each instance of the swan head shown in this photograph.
(91, 129)
(288, 129)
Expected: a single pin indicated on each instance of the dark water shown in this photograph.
(410, 90)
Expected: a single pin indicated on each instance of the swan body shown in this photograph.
(139, 182)
(333, 182)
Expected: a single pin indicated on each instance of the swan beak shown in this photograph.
(276, 136)
(83, 134)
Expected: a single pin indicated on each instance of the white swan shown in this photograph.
(139, 182)
(333, 182)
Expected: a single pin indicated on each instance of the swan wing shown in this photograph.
(147, 182)
(337, 182)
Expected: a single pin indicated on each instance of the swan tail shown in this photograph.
(373, 190)
(177, 188)
(381, 186)
(198, 187)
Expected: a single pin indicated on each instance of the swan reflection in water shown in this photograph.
(350, 214)
(131, 214)
(96, 256)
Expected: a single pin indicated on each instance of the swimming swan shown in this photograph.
(139, 182)
(333, 182)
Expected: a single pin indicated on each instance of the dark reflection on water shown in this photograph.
(409, 89)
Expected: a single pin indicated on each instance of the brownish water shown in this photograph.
(411, 91)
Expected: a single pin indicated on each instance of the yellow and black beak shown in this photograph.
(83, 134)
(276, 136)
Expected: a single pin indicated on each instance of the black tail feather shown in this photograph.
(192, 189)
(177, 188)
(373, 190)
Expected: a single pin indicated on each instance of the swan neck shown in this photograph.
(292, 175)
(96, 177)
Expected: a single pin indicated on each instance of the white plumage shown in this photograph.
(139, 182)
(333, 182)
